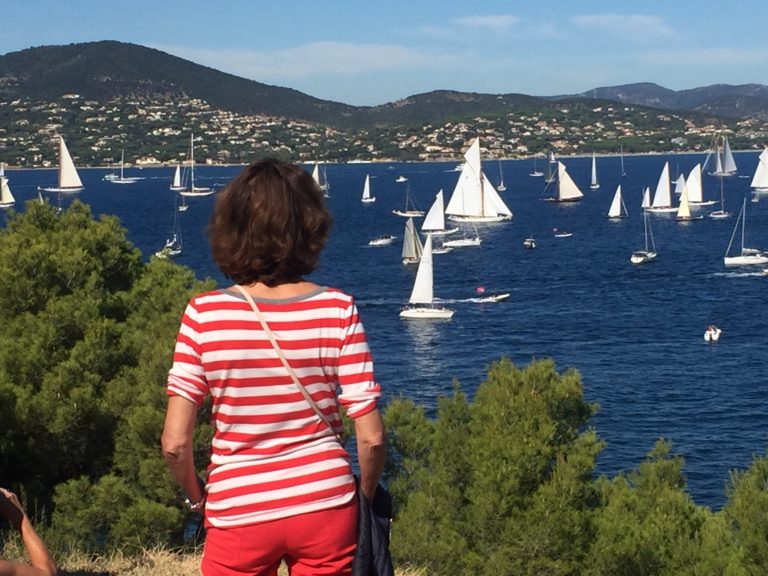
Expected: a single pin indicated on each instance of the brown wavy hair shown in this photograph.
(269, 224)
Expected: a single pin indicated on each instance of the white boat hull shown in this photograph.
(408, 213)
(662, 209)
(425, 313)
(63, 190)
(641, 257)
(712, 335)
(462, 242)
(745, 260)
(197, 192)
(479, 219)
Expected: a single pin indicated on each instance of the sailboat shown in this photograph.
(434, 223)
(648, 254)
(464, 242)
(567, 191)
(412, 248)
(684, 208)
(193, 190)
(474, 198)
(320, 177)
(173, 244)
(618, 209)
(747, 256)
(662, 199)
(6, 196)
(719, 214)
(421, 303)
(536, 173)
(176, 184)
(594, 184)
(501, 187)
(410, 210)
(551, 168)
(69, 181)
(725, 165)
(696, 189)
(367, 198)
(760, 179)
(122, 178)
(646, 198)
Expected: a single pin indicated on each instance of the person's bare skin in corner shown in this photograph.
(41, 563)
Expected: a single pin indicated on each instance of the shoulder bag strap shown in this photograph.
(271, 336)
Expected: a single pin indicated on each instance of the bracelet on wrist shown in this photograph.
(195, 506)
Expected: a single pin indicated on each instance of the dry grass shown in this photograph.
(157, 562)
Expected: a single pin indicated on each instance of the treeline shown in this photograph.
(502, 484)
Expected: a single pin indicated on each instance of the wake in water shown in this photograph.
(737, 274)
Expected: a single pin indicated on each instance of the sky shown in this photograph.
(367, 53)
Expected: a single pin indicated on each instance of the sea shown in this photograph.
(634, 333)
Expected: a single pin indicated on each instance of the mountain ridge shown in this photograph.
(104, 69)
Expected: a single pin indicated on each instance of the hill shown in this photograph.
(744, 101)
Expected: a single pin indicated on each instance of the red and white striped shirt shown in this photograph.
(271, 455)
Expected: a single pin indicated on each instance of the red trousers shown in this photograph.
(313, 544)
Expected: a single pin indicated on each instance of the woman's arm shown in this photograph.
(42, 563)
(371, 450)
(177, 443)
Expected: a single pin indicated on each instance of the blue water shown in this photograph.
(634, 333)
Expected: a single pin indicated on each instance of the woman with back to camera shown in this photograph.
(280, 485)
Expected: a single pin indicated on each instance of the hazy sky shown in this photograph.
(365, 52)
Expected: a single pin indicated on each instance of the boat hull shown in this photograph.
(68, 190)
(745, 260)
(479, 219)
(642, 256)
(426, 313)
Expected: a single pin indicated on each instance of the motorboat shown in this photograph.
(712, 333)
(384, 240)
(529, 243)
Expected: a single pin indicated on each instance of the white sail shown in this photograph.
(474, 198)
(177, 185)
(594, 184)
(684, 209)
(646, 198)
(6, 197)
(423, 291)
(694, 186)
(760, 179)
(412, 248)
(2, 168)
(567, 191)
(68, 177)
(679, 184)
(435, 219)
(551, 168)
(663, 196)
(729, 163)
(617, 209)
(367, 190)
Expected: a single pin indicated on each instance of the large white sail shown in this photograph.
(694, 186)
(177, 185)
(6, 197)
(729, 164)
(412, 248)
(594, 184)
(68, 177)
(663, 196)
(646, 198)
(367, 190)
(423, 291)
(474, 198)
(760, 179)
(567, 191)
(435, 219)
(684, 209)
(617, 209)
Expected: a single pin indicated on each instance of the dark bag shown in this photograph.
(372, 556)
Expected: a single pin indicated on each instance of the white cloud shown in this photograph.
(493, 23)
(317, 59)
(628, 27)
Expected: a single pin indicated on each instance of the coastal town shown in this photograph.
(155, 131)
